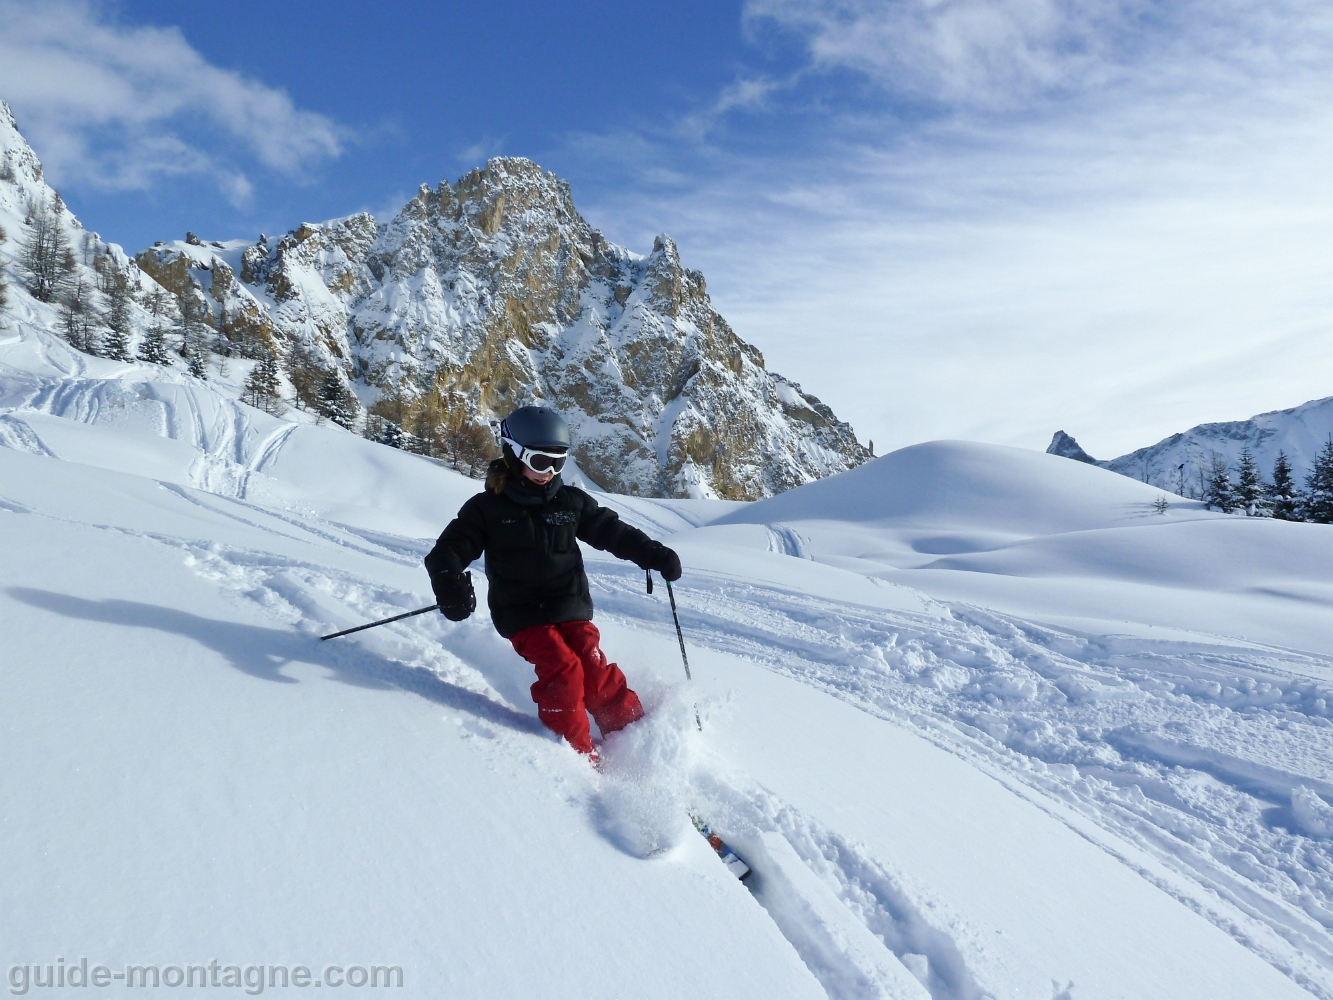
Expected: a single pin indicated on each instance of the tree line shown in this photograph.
(95, 318)
(94, 315)
(1279, 497)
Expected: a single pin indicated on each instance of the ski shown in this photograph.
(729, 857)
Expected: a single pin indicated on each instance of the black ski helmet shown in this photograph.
(536, 427)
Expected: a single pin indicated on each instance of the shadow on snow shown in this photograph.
(262, 652)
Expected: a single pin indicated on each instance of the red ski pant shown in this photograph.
(573, 679)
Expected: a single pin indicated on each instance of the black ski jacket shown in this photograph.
(533, 563)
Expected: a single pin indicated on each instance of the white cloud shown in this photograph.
(976, 50)
(121, 107)
(996, 53)
(1108, 217)
(480, 151)
(744, 94)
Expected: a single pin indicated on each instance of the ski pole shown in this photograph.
(680, 637)
(382, 621)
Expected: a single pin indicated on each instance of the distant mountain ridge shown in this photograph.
(475, 298)
(1181, 459)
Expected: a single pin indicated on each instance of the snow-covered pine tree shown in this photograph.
(45, 256)
(1283, 498)
(195, 361)
(153, 347)
(117, 344)
(336, 401)
(1217, 490)
(1250, 494)
(195, 333)
(1317, 502)
(262, 385)
(71, 317)
(391, 434)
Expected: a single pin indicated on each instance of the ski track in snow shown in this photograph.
(1138, 736)
(1125, 732)
(651, 784)
(1214, 758)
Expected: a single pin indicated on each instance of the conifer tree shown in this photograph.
(153, 348)
(1317, 503)
(117, 346)
(262, 386)
(1250, 495)
(392, 435)
(195, 361)
(1218, 491)
(195, 334)
(1282, 493)
(71, 318)
(336, 402)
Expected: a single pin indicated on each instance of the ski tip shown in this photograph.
(736, 866)
(730, 858)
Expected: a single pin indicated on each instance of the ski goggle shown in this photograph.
(536, 459)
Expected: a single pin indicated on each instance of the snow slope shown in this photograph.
(937, 718)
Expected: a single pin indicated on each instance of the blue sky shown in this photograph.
(410, 93)
(985, 219)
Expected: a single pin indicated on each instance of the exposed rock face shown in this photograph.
(494, 292)
(1066, 447)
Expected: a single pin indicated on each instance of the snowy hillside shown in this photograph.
(1180, 460)
(984, 723)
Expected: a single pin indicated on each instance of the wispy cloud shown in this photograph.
(121, 107)
(993, 219)
(476, 154)
(744, 94)
(973, 51)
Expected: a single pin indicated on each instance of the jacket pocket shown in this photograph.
(562, 538)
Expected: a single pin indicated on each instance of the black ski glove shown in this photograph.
(664, 560)
(455, 595)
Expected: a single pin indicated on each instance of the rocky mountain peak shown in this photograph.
(1065, 446)
(476, 297)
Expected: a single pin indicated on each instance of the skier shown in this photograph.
(526, 522)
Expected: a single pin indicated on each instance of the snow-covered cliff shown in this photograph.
(494, 292)
(475, 298)
(90, 291)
